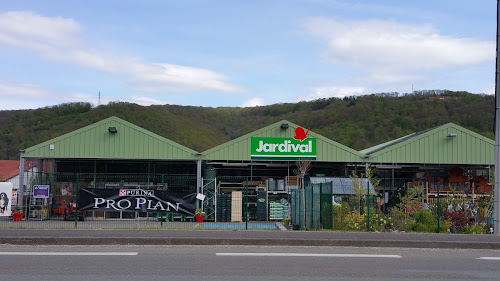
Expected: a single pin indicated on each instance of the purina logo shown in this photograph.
(136, 192)
(298, 147)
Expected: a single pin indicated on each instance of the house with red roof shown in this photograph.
(9, 172)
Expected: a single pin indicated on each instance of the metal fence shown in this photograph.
(318, 207)
(244, 203)
(228, 203)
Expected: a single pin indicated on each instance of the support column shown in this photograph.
(20, 191)
(198, 183)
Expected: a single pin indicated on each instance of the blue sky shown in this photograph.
(240, 53)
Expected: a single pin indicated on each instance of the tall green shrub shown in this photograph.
(424, 221)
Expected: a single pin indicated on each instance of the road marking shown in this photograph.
(66, 254)
(307, 255)
(488, 258)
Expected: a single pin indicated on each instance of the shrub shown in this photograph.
(354, 222)
(424, 221)
(399, 220)
(458, 220)
(379, 222)
(339, 214)
(473, 229)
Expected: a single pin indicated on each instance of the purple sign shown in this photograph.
(41, 191)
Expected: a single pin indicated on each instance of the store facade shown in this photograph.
(250, 177)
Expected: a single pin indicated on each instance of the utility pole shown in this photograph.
(496, 214)
(99, 102)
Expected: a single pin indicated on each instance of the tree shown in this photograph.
(302, 167)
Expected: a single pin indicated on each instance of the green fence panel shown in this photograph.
(326, 211)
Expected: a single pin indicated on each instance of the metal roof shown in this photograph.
(100, 141)
(445, 144)
(343, 186)
(239, 149)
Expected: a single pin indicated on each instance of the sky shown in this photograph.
(219, 53)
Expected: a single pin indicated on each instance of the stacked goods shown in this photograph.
(271, 184)
(276, 210)
(224, 208)
(280, 185)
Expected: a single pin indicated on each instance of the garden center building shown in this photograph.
(106, 162)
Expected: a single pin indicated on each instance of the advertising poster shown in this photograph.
(67, 189)
(137, 200)
(5, 198)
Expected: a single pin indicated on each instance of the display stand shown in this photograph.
(38, 209)
(39, 205)
(277, 198)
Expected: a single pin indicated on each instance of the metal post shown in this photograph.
(367, 198)
(320, 209)
(20, 192)
(368, 206)
(76, 203)
(331, 197)
(496, 214)
(438, 207)
(198, 183)
(246, 205)
(312, 207)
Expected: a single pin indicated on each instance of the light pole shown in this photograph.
(497, 132)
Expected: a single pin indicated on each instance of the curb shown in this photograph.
(168, 241)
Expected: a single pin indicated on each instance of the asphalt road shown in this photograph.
(153, 263)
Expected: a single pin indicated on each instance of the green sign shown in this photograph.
(283, 148)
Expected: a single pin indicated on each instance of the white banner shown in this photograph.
(5, 198)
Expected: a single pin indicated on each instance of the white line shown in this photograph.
(307, 255)
(488, 258)
(65, 254)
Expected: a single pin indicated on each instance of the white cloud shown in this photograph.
(146, 101)
(332, 92)
(253, 102)
(394, 45)
(169, 77)
(12, 89)
(57, 39)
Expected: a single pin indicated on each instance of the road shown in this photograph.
(124, 263)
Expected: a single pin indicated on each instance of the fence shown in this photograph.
(245, 203)
(228, 203)
(319, 207)
(324, 209)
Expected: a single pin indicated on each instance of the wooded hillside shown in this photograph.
(358, 122)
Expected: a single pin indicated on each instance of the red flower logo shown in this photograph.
(300, 134)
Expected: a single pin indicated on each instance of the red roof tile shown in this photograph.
(10, 169)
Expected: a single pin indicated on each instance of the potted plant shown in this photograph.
(17, 213)
(199, 215)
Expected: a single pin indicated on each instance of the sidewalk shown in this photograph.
(240, 237)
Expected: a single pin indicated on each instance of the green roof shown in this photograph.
(239, 148)
(445, 144)
(96, 142)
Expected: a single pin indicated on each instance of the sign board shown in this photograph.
(40, 191)
(5, 199)
(283, 148)
(136, 200)
(200, 196)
